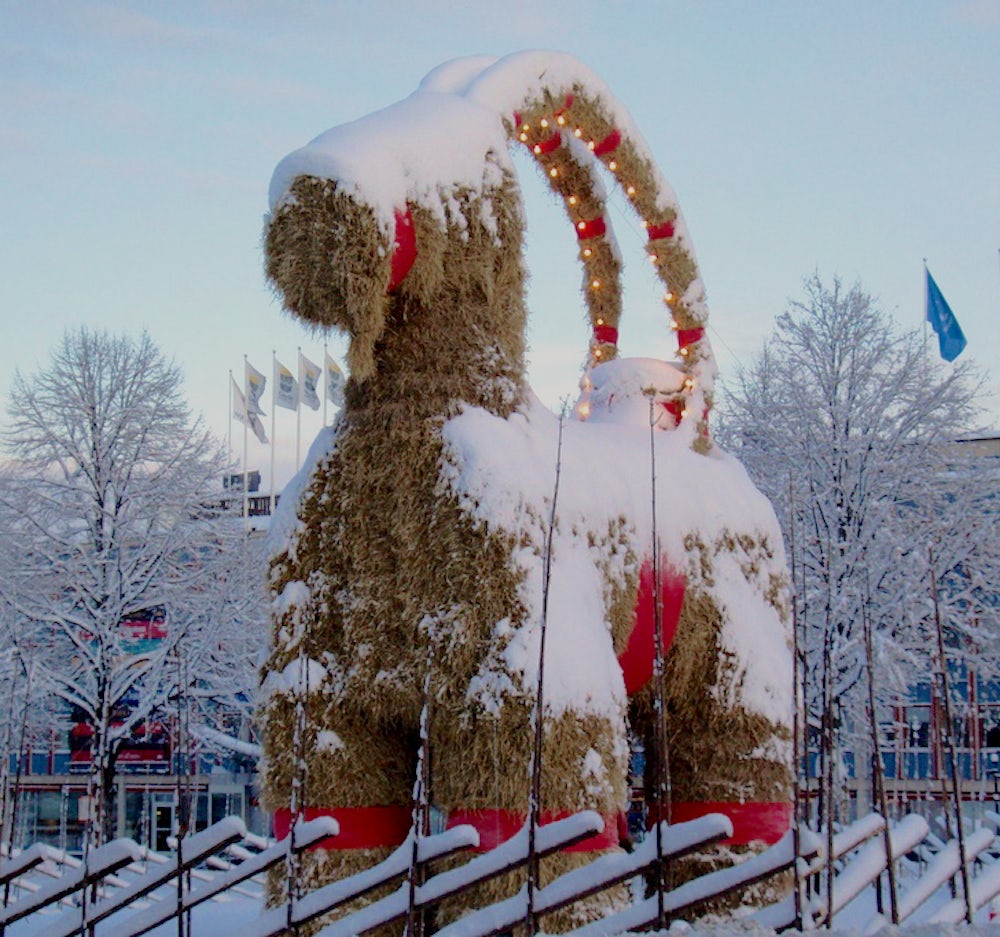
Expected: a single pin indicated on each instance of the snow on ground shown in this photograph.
(220, 919)
(214, 919)
(737, 928)
(233, 914)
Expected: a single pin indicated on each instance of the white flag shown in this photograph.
(241, 414)
(309, 375)
(256, 382)
(239, 402)
(334, 383)
(286, 387)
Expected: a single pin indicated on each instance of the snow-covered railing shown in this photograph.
(26, 869)
(196, 849)
(133, 891)
(677, 840)
(771, 861)
(982, 888)
(332, 896)
(101, 862)
(944, 866)
(861, 869)
(867, 864)
(23, 862)
(306, 834)
(510, 855)
(782, 914)
(117, 895)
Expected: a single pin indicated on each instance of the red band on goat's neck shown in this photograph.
(404, 248)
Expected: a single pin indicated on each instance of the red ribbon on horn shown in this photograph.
(547, 145)
(686, 337)
(609, 144)
(656, 232)
(585, 230)
(606, 334)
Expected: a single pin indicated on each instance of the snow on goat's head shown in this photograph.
(362, 213)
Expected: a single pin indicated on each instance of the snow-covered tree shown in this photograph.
(848, 425)
(224, 652)
(108, 498)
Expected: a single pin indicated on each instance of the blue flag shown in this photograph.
(951, 339)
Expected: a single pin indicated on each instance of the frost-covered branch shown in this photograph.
(112, 494)
(865, 423)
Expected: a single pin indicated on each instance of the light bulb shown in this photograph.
(652, 258)
(544, 122)
(584, 409)
(630, 190)
(582, 225)
(523, 138)
(684, 413)
(560, 120)
(587, 252)
(684, 352)
(571, 200)
(668, 297)
(592, 145)
(612, 165)
(600, 322)
(553, 172)
(536, 149)
(597, 352)
(578, 133)
(596, 284)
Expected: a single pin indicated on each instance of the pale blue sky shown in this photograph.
(137, 141)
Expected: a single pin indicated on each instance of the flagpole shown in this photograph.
(925, 307)
(246, 480)
(326, 381)
(298, 416)
(274, 408)
(229, 436)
